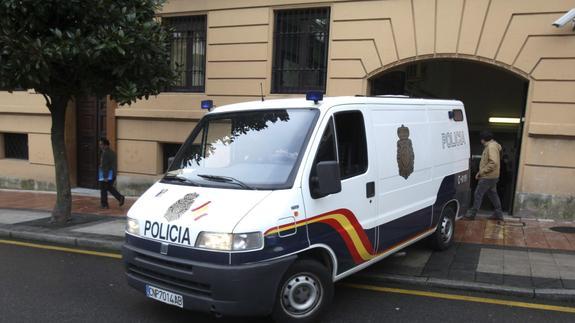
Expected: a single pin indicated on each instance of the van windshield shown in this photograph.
(244, 150)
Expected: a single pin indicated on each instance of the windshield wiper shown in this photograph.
(225, 179)
(180, 178)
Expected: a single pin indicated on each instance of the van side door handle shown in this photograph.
(370, 189)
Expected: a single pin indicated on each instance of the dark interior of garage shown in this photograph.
(487, 91)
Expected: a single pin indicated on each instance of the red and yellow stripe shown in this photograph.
(200, 211)
(345, 223)
(202, 207)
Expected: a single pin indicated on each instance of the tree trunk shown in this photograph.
(62, 211)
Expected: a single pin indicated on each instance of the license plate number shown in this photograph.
(164, 296)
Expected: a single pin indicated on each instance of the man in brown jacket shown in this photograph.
(487, 177)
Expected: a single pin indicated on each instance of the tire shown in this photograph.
(303, 293)
(442, 238)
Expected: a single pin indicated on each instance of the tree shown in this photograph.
(67, 48)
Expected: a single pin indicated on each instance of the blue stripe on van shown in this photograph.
(390, 234)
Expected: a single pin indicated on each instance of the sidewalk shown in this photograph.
(518, 232)
(525, 257)
(87, 203)
(26, 215)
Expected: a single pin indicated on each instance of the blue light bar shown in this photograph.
(314, 96)
(207, 104)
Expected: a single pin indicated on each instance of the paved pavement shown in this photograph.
(84, 230)
(83, 201)
(514, 257)
(518, 232)
(538, 273)
(55, 286)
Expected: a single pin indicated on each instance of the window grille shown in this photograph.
(169, 151)
(300, 50)
(188, 52)
(16, 146)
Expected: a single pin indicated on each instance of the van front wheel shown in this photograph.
(442, 238)
(304, 292)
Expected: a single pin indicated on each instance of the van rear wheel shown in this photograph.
(442, 238)
(304, 292)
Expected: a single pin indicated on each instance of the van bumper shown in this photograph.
(239, 290)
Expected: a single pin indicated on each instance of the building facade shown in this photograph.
(502, 58)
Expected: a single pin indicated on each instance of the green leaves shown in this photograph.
(57, 32)
(73, 47)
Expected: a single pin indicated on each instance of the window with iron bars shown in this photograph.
(300, 50)
(188, 52)
(15, 145)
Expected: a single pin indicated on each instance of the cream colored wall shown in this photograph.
(516, 35)
(139, 139)
(25, 112)
(369, 37)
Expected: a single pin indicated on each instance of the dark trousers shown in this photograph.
(489, 186)
(106, 187)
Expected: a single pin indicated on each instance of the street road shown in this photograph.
(38, 285)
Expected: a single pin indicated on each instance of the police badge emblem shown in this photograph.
(405, 155)
(180, 207)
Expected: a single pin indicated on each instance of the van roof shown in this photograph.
(328, 102)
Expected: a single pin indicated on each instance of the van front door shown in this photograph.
(343, 221)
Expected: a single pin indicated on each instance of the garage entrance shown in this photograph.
(494, 100)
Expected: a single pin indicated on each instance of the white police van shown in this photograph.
(267, 204)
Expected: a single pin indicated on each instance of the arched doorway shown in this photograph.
(487, 91)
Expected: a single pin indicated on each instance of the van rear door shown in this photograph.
(405, 191)
(344, 220)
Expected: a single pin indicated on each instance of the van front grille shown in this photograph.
(155, 274)
(166, 263)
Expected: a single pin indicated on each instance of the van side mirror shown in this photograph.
(328, 178)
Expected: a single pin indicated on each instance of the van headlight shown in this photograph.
(133, 226)
(229, 241)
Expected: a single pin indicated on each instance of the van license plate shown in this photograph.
(164, 296)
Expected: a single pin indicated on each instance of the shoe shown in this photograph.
(104, 207)
(122, 200)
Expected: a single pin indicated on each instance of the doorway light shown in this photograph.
(504, 120)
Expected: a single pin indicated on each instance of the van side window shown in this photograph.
(351, 143)
(457, 115)
(325, 152)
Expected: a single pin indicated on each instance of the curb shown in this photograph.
(537, 293)
(82, 242)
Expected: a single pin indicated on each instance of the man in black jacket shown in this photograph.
(107, 174)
